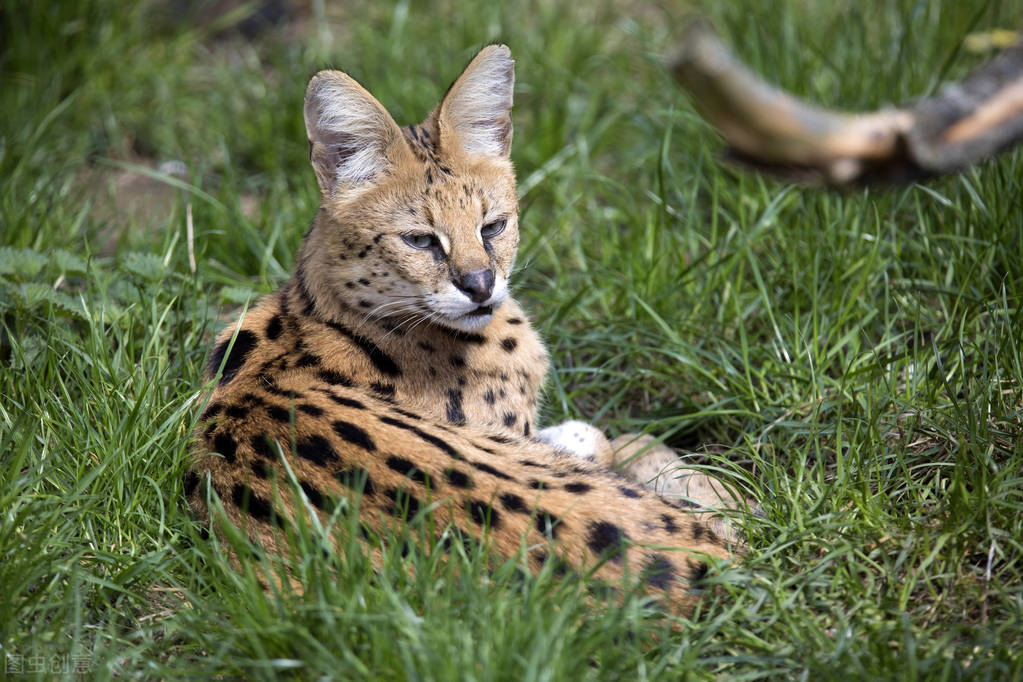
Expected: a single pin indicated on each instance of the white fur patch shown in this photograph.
(455, 307)
(574, 437)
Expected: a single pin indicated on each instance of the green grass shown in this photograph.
(853, 361)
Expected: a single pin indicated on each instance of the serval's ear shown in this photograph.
(352, 138)
(475, 114)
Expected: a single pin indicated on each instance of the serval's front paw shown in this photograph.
(579, 439)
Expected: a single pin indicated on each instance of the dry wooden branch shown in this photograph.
(964, 123)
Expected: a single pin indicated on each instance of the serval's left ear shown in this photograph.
(475, 114)
(352, 138)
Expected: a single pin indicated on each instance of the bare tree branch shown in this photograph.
(765, 127)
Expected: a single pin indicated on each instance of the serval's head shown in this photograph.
(417, 223)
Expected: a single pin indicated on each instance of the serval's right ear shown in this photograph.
(352, 138)
(475, 114)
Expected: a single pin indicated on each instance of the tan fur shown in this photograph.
(657, 467)
(365, 365)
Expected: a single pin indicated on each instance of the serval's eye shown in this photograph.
(420, 240)
(493, 229)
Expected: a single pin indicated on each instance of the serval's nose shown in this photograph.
(478, 286)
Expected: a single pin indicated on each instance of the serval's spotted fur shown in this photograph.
(393, 362)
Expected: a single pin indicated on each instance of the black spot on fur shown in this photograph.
(212, 410)
(669, 523)
(464, 337)
(513, 503)
(278, 413)
(577, 488)
(335, 378)
(406, 413)
(486, 468)
(278, 362)
(312, 410)
(255, 506)
(525, 430)
(458, 478)
(606, 540)
(500, 439)
(535, 484)
(274, 327)
(394, 421)
(381, 360)
(356, 479)
(269, 384)
(260, 468)
(698, 571)
(191, 482)
(514, 320)
(628, 492)
(261, 446)
(427, 347)
(226, 445)
(252, 399)
(385, 391)
(488, 397)
(548, 524)
(482, 513)
(354, 435)
(308, 360)
(509, 344)
(510, 419)
(659, 572)
(317, 450)
(407, 468)
(244, 342)
(457, 360)
(403, 505)
(697, 531)
(317, 498)
(346, 402)
(429, 438)
(454, 407)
